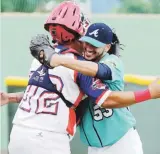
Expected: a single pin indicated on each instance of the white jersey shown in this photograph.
(42, 109)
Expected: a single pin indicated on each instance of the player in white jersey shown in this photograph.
(46, 112)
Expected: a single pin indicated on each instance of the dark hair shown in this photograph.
(115, 46)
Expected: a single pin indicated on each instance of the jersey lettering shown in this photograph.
(46, 101)
(100, 113)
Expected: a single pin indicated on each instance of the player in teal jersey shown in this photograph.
(108, 131)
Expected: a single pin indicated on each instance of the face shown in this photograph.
(89, 51)
(93, 53)
(63, 37)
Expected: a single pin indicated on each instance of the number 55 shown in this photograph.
(100, 113)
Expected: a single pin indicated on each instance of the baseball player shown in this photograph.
(46, 112)
(105, 131)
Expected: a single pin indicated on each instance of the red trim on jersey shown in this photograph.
(71, 122)
(75, 76)
(79, 98)
(98, 99)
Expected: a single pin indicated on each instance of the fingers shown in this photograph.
(41, 57)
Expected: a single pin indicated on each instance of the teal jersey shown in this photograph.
(103, 127)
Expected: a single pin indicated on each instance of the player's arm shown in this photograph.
(116, 99)
(11, 97)
(123, 99)
(17, 97)
(42, 50)
(99, 70)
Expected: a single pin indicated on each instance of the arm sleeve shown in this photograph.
(104, 72)
(94, 88)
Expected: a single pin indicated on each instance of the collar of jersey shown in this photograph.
(61, 48)
(64, 50)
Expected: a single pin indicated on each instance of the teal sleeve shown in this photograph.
(116, 66)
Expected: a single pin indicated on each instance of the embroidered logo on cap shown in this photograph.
(95, 33)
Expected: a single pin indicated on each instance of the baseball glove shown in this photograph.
(41, 49)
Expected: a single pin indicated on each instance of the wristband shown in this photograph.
(142, 95)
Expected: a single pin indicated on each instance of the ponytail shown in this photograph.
(115, 46)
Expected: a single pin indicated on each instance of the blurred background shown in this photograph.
(92, 6)
(136, 22)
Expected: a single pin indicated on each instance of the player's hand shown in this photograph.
(55, 59)
(41, 49)
(4, 98)
(154, 88)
